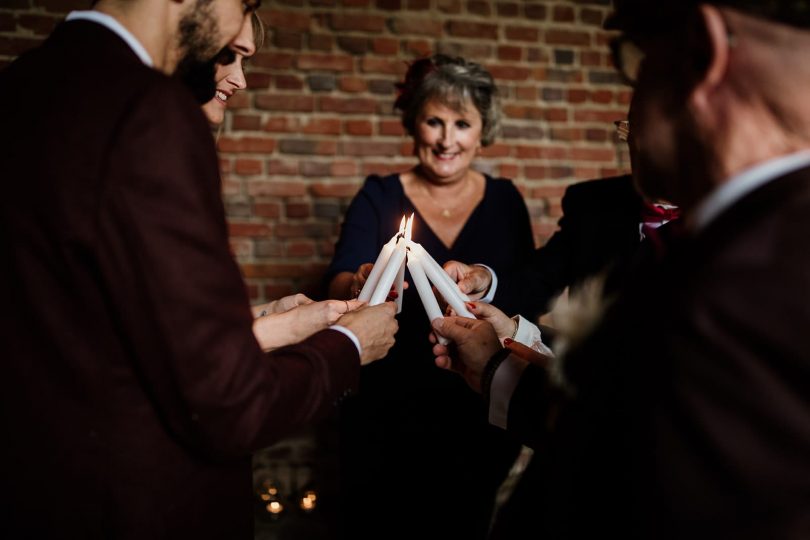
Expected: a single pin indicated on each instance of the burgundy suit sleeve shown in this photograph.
(178, 300)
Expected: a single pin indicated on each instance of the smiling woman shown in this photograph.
(229, 75)
(411, 421)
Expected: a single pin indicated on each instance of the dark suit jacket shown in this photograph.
(133, 390)
(598, 228)
(692, 420)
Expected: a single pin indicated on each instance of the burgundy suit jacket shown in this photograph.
(691, 417)
(133, 390)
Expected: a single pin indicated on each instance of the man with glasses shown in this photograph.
(684, 413)
(133, 389)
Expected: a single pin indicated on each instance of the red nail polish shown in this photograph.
(507, 341)
(471, 306)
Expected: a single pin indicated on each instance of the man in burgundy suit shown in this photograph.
(133, 389)
(685, 413)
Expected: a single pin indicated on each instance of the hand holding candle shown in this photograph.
(380, 265)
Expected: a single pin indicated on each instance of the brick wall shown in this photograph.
(319, 117)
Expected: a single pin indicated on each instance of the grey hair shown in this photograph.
(451, 81)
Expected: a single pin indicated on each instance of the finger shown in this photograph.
(444, 362)
(302, 300)
(453, 327)
(354, 304)
(439, 349)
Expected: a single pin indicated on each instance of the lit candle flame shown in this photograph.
(402, 225)
(409, 228)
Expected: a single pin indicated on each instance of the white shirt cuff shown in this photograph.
(350, 335)
(503, 386)
(487, 299)
(529, 334)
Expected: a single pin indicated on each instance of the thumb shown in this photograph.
(452, 327)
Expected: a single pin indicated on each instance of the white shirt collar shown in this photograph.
(745, 182)
(111, 23)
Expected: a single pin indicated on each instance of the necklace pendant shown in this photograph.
(445, 213)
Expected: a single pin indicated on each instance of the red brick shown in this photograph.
(591, 16)
(385, 46)
(242, 228)
(248, 166)
(385, 168)
(507, 9)
(479, 7)
(343, 168)
(267, 209)
(449, 6)
(593, 154)
(303, 248)
(356, 23)
(472, 30)
(274, 188)
(496, 150)
(348, 105)
(535, 11)
(535, 172)
(307, 147)
(322, 126)
(325, 62)
(418, 26)
(352, 85)
(288, 82)
(281, 124)
(287, 20)
(297, 210)
(418, 47)
(509, 73)
(317, 169)
(272, 60)
(368, 148)
(373, 64)
(508, 170)
(246, 122)
(274, 102)
(390, 127)
(528, 93)
(358, 127)
(341, 190)
(58, 6)
(522, 33)
(246, 145)
(587, 172)
(509, 53)
(418, 5)
(321, 42)
(602, 96)
(590, 58)
(285, 39)
(603, 116)
(567, 37)
(258, 81)
(577, 95)
(563, 14)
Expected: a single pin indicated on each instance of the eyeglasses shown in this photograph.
(251, 5)
(622, 129)
(627, 57)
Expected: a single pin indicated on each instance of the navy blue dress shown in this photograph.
(416, 446)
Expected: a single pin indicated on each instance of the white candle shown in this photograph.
(400, 285)
(443, 282)
(379, 265)
(422, 285)
(388, 276)
(446, 277)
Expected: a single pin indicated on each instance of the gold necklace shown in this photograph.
(445, 211)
